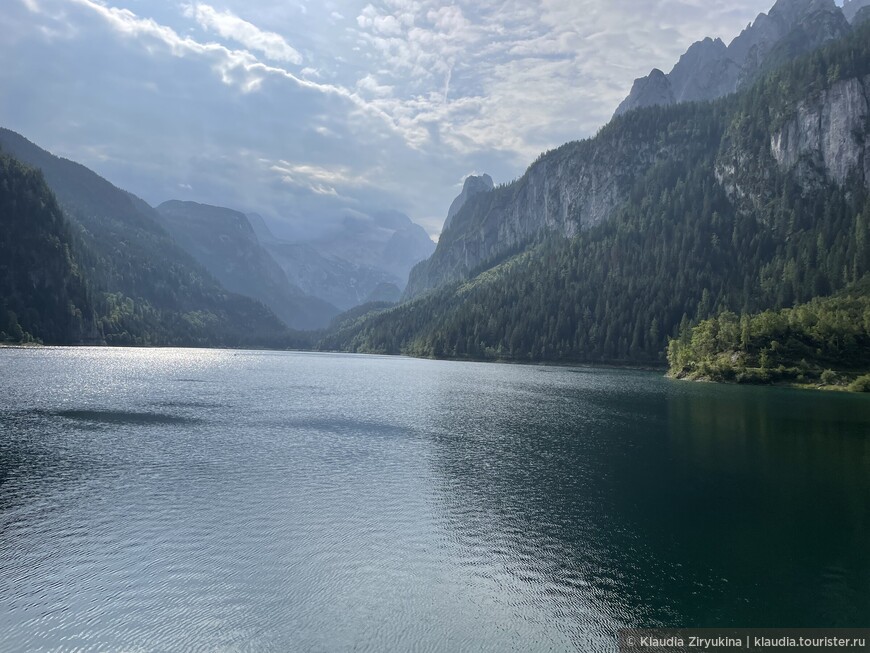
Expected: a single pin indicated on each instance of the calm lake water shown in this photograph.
(174, 500)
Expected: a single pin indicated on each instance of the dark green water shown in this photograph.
(173, 500)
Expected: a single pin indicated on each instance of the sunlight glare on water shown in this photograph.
(161, 499)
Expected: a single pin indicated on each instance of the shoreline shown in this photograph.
(794, 385)
(502, 361)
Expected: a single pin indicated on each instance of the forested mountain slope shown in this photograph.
(42, 292)
(714, 206)
(144, 288)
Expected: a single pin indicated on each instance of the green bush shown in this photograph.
(861, 384)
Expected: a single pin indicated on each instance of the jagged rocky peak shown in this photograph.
(709, 70)
(652, 90)
(862, 16)
(474, 185)
(797, 11)
(783, 18)
(704, 72)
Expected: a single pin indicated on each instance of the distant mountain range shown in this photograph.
(224, 242)
(189, 273)
(366, 255)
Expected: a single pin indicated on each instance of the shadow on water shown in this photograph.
(123, 417)
(43, 452)
(641, 501)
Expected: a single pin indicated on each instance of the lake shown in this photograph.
(187, 500)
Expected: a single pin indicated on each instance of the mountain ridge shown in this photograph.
(709, 69)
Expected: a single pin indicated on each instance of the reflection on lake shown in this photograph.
(221, 500)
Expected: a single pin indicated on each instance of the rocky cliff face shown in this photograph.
(473, 185)
(566, 190)
(653, 90)
(824, 138)
(704, 72)
(710, 70)
(829, 135)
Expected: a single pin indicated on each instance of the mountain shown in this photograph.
(261, 229)
(386, 293)
(345, 267)
(331, 279)
(473, 185)
(224, 242)
(580, 184)
(145, 289)
(710, 70)
(42, 293)
(607, 247)
(566, 190)
(851, 8)
(387, 241)
(861, 16)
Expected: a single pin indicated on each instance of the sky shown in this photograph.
(303, 111)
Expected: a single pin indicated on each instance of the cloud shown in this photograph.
(396, 99)
(318, 179)
(229, 26)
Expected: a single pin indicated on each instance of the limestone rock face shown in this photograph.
(473, 185)
(566, 190)
(704, 72)
(652, 90)
(829, 134)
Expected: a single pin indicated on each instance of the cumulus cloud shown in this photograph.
(229, 26)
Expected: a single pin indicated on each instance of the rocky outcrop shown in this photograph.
(704, 72)
(652, 90)
(824, 138)
(568, 189)
(792, 28)
(829, 135)
(709, 70)
(474, 185)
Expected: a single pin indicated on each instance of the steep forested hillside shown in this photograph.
(42, 292)
(144, 288)
(730, 220)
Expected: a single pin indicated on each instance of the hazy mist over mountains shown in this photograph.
(302, 112)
